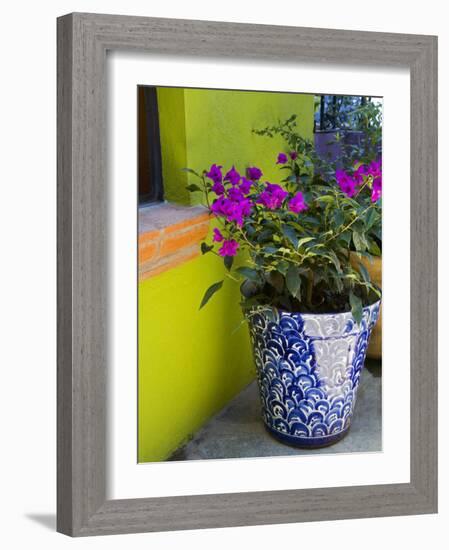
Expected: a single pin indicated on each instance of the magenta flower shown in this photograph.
(293, 155)
(254, 173)
(282, 158)
(240, 210)
(297, 203)
(359, 174)
(376, 192)
(229, 248)
(375, 169)
(232, 176)
(245, 186)
(218, 237)
(218, 188)
(235, 194)
(273, 196)
(215, 173)
(221, 206)
(232, 210)
(346, 183)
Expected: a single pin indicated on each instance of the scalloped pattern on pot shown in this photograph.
(308, 368)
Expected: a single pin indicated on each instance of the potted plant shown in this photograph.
(310, 309)
(346, 171)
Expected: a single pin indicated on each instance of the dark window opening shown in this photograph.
(149, 147)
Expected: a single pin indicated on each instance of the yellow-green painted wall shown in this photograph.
(174, 150)
(191, 362)
(216, 127)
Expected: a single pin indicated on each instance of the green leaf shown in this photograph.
(248, 288)
(325, 198)
(191, 171)
(269, 250)
(338, 283)
(282, 266)
(210, 292)
(356, 307)
(293, 281)
(338, 218)
(249, 273)
(374, 249)
(370, 218)
(228, 261)
(264, 235)
(193, 187)
(334, 259)
(304, 240)
(359, 241)
(311, 220)
(290, 234)
(205, 248)
(364, 273)
(345, 237)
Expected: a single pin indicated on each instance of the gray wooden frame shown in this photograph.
(83, 40)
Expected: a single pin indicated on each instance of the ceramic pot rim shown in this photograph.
(309, 314)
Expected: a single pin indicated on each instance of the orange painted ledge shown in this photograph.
(169, 235)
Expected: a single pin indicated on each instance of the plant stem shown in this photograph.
(206, 194)
(349, 225)
(309, 288)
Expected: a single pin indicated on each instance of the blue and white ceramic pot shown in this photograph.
(308, 367)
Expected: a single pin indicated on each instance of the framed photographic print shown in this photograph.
(247, 313)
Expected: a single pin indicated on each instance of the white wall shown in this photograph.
(27, 218)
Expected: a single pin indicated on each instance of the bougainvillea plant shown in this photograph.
(293, 239)
(344, 171)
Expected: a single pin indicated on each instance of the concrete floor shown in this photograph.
(237, 430)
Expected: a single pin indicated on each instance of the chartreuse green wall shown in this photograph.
(201, 127)
(191, 362)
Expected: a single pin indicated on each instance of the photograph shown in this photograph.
(230, 337)
(259, 273)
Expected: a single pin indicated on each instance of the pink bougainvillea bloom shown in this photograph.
(360, 173)
(346, 183)
(375, 169)
(232, 176)
(245, 186)
(218, 188)
(254, 173)
(273, 196)
(293, 155)
(282, 158)
(236, 194)
(239, 211)
(376, 192)
(297, 203)
(222, 206)
(229, 248)
(218, 237)
(215, 173)
(232, 210)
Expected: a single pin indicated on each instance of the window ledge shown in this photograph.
(169, 235)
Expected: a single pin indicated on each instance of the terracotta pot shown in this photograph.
(375, 272)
